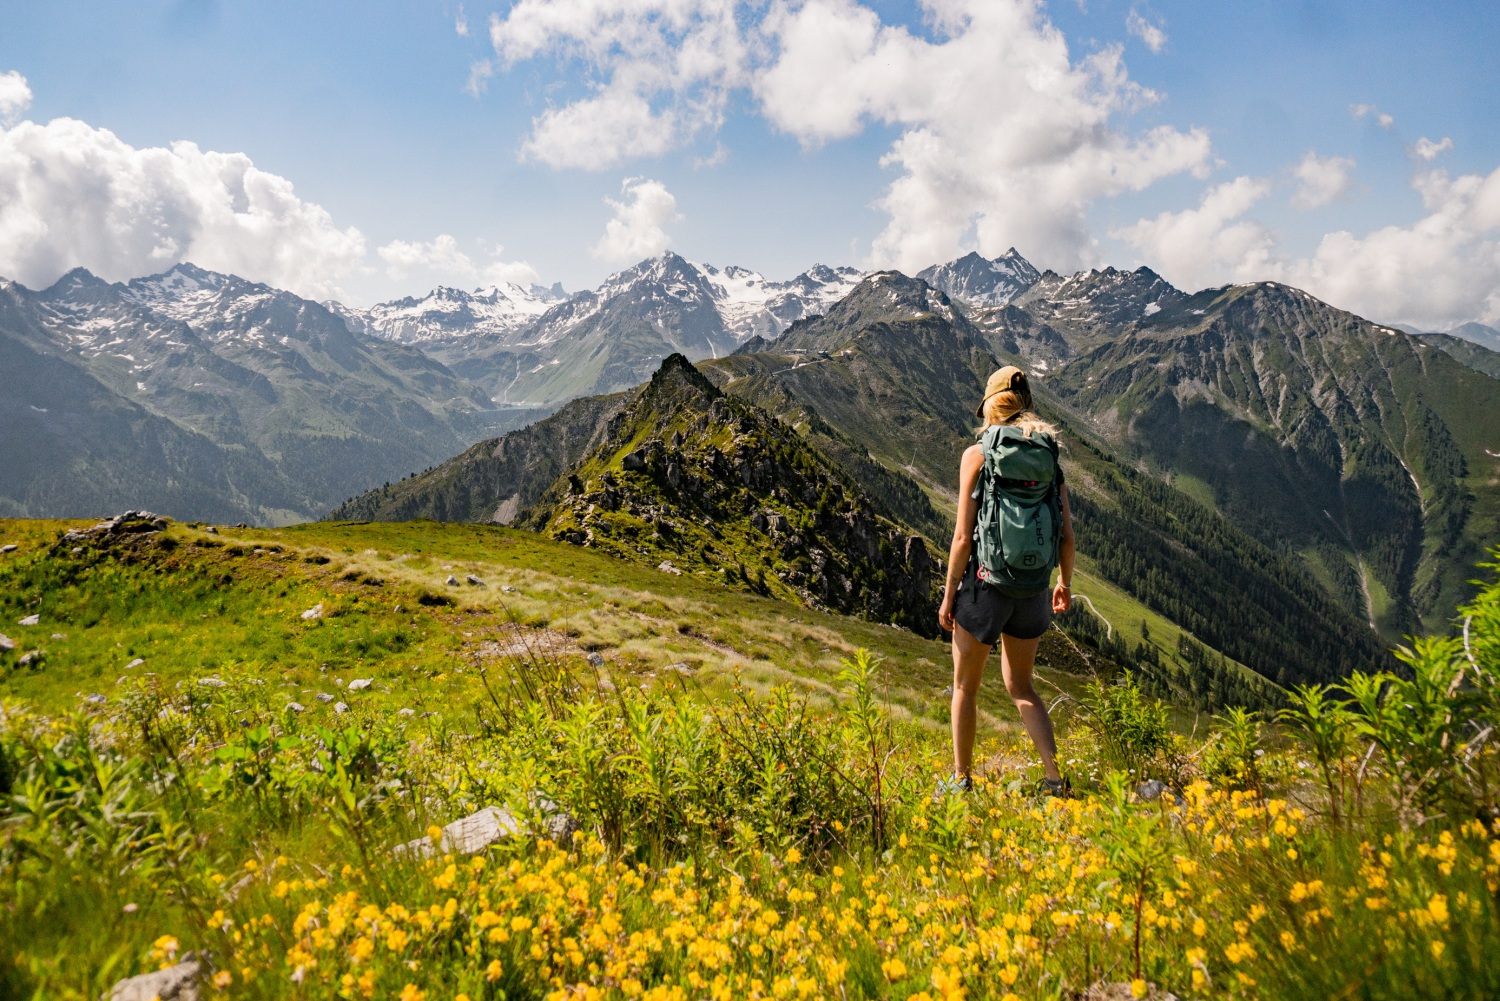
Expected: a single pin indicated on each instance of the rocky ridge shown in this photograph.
(690, 479)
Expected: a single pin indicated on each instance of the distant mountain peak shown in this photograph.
(979, 281)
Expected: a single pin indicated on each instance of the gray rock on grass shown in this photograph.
(30, 620)
(474, 581)
(483, 828)
(595, 659)
(135, 663)
(213, 683)
(1121, 992)
(340, 708)
(406, 712)
(6, 643)
(9, 548)
(315, 612)
(95, 699)
(323, 697)
(359, 684)
(666, 566)
(183, 982)
(296, 707)
(452, 581)
(31, 657)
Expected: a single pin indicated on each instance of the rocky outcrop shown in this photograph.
(110, 529)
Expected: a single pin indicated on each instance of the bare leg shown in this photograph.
(1017, 657)
(969, 656)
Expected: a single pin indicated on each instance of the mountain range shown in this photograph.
(1292, 484)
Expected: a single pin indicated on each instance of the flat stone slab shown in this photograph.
(468, 835)
(182, 982)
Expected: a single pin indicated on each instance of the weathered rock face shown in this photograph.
(721, 488)
(183, 982)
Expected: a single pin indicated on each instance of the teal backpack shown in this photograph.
(1020, 511)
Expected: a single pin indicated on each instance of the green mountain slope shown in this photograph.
(1475, 356)
(297, 411)
(900, 379)
(495, 480)
(1351, 446)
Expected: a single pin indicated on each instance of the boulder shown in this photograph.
(135, 663)
(6, 643)
(406, 712)
(323, 697)
(1122, 992)
(483, 828)
(183, 982)
(359, 684)
(95, 699)
(452, 581)
(213, 683)
(633, 462)
(340, 708)
(30, 620)
(32, 657)
(665, 566)
(295, 707)
(10, 548)
(315, 612)
(474, 581)
(595, 659)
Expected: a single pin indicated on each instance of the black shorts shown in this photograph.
(988, 613)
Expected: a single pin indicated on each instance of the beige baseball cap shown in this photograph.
(999, 382)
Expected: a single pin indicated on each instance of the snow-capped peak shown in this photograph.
(981, 282)
(448, 313)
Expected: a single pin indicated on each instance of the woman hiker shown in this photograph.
(1011, 488)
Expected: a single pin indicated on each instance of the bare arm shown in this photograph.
(963, 532)
(1062, 595)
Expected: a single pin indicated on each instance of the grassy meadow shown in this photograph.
(217, 738)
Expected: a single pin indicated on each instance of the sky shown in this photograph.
(373, 150)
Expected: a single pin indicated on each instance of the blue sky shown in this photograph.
(366, 110)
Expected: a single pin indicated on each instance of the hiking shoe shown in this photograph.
(1056, 788)
(954, 785)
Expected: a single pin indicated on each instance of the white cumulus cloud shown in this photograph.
(1152, 35)
(1005, 138)
(1426, 149)
(72, 194)
(15, 96)
(1007, 141)
(1202, 246)
(1441, 270)
(664, 70)
(1320, 179)
(441, 252)
(1360, 111)
(638, 229)
(441, 260)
